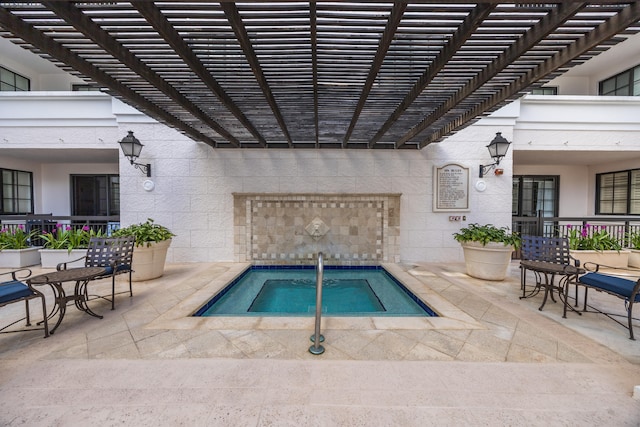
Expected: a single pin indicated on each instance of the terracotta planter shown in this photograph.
(619, 259)
(16, 258)
(148, 261)
(634, 258)
(489, 262)
(50, 258)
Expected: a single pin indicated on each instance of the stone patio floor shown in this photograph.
(491, 359)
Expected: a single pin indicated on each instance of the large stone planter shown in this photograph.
(50, 258)
(148, 261)
(17, 258)
(619, 259)
(634, 258)
(489, 262)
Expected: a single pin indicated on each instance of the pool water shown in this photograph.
(291, 291)
(299, 296)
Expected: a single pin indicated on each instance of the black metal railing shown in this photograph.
(619, 227)
(45, 223)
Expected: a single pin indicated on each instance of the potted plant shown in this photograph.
(15, 248)
(594, 244)
(487, 250)
(66, 244)
(152, 244)
(634, 249)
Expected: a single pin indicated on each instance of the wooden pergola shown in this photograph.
(338, 74)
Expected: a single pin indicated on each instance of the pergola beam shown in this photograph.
(234, 18)
(46, 44)
(162, 25)
(604, 31)
(383, 47)
(94, 32)
(540, 30)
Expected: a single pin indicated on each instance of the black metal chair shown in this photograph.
(115, 254)
(538, 253)
(15, 290)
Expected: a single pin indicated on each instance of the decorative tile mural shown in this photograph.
(349, 229)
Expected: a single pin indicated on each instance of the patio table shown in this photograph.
(550, 270)
(81, 276)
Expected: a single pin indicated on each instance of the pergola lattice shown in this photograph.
(317, 74)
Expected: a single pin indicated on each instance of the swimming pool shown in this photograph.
(290, 291)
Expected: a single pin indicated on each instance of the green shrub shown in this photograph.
(487, 233)
(146, 232)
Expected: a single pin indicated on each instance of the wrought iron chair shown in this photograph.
(15, 290)
(548, 257)
(115, 254)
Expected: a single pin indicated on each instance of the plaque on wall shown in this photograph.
(451, 188)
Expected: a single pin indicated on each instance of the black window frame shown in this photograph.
(16, 192)
(80, 87)
(519, 202)
(633, 81)
(545, 90)
(110, 193)
(13, 85)
(629, 192)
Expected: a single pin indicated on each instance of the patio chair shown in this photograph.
(548, 257)
(15, 290)
(115, 254)
(618, 282)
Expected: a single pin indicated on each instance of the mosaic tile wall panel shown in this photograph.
(358, 229)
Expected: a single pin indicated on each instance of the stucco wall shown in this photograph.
(194, 185)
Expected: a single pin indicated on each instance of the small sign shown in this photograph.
(451, 188)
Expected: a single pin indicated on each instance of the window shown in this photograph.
(84, 88)
(618, 193)
(16, 192)
(550, 90)
(95, 195)
(10, 81)
(626, 83)
(533, 194)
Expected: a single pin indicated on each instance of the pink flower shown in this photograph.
(85, 228)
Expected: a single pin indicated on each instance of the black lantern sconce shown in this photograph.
(131, 147)
(497, 149)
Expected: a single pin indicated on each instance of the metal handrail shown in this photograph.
(317, 338)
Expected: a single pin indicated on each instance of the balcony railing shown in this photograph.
(43, 223)
(620, 227)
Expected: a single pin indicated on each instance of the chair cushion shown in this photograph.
(612, 284)
(13, 290)
(119, 269)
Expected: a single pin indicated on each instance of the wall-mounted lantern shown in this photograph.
(498, 148)
(131, 148)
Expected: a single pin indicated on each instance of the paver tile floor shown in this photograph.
(491, 359)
